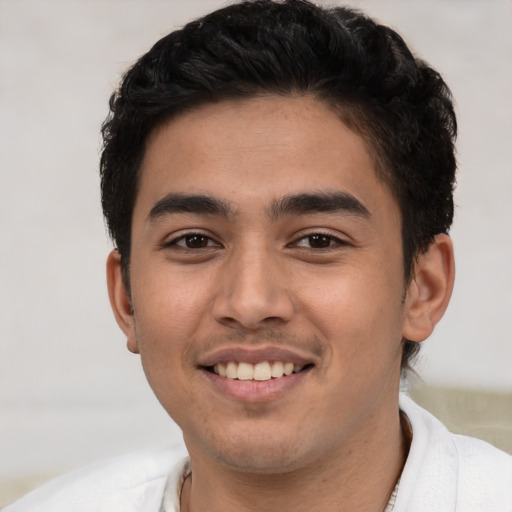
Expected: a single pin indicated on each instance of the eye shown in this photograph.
(319, 241)
(193, 241)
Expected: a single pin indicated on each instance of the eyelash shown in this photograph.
(332, 241)
(175, 241)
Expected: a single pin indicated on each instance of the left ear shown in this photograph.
(430, 289)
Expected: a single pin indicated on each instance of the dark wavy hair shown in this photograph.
(363, 70)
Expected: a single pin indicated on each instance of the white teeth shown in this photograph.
(277, 369)
(231, 370)
(245, 371)
(288, 368)
(260, 371)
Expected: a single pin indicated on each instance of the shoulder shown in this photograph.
(127, 483)
(485, 473)
(446, 471)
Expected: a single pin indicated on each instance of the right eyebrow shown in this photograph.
(189, 203)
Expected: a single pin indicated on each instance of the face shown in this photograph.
(264, 243)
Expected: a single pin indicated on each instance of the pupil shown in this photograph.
(319, 241)
(195, 241)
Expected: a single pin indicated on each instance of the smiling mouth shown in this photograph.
(262, 371)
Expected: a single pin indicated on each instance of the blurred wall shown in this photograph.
(70, 393)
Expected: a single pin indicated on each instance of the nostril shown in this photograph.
(252, 302)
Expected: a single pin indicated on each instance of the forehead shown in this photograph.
(257, 150)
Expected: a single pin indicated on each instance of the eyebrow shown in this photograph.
(295, 204)
(185, 203)
(319, 202)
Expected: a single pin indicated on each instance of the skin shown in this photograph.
(255, 277)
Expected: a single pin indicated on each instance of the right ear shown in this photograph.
(120, 300)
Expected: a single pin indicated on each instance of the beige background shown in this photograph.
(70, 393)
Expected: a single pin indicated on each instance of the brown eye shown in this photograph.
(192, 245)
(196, 241)
(319, 241)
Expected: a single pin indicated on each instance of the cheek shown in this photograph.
(169, 307)
(358, 312)
(166, 322)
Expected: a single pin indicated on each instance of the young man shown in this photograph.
(277, 179)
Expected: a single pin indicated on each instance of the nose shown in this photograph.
(253, 291)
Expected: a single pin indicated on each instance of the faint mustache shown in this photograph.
(268, 336)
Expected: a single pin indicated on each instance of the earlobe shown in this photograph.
(430, 289)
(120, 300)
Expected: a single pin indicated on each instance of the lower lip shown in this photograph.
(253, 390)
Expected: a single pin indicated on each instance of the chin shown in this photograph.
(257, 452)
(260, 461)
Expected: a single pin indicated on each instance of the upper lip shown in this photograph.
(255, 355)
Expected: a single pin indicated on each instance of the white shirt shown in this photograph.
(443, 473)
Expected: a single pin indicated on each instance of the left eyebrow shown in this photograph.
(320, 202)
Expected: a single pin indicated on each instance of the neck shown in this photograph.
(360, 477)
